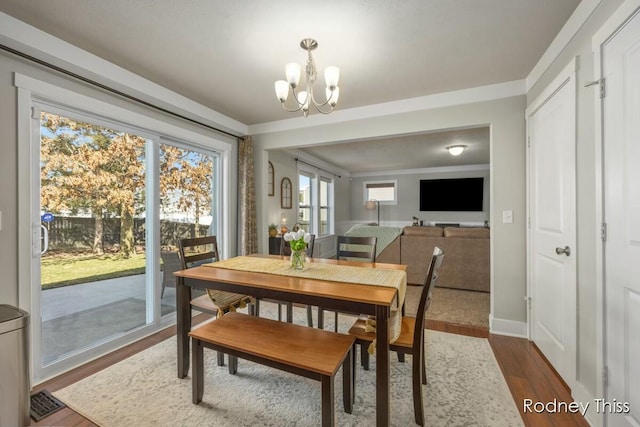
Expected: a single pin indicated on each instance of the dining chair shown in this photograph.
(352, 248)
(170, 263)
(411, 339)
(201, 250)
(285, 250)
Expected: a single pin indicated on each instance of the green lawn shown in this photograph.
(72, 269)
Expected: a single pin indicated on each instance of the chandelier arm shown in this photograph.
(310, 91)
(291, 110)
(323, 112)
(317, 104)
(295, 98)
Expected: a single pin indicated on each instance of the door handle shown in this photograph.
(45, 237)
(566, 250)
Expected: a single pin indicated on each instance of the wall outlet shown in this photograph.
(507, 217)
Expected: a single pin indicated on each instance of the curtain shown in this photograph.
(247, 194)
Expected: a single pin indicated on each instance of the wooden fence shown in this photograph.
(78, 233)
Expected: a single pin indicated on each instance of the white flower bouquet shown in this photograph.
(298, 242)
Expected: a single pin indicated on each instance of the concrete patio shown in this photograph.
(77, 316)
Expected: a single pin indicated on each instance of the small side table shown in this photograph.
(274, 245)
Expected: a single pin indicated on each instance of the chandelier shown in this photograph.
(303, 99)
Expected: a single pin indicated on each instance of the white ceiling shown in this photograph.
(227, 54)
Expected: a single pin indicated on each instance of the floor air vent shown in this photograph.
(44, 404)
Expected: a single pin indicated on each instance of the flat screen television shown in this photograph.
(452, 195)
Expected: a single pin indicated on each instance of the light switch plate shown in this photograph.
(507, 217)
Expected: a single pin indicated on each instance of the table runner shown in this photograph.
(331, 272)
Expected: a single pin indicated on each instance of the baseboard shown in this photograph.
(509, 328)
(580, 394)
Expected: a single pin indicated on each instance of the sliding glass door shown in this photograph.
(113, 202)
(92, 204)
(188, 205)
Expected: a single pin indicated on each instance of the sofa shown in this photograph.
(466, 263)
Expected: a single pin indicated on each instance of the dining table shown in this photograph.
(375, 299)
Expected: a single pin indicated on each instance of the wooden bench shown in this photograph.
(311, 353)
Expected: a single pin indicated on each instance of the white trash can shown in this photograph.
(14, 367)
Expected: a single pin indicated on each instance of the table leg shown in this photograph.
(383, 375)
(183, 325)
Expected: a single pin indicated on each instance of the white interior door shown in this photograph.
(552, 235)
(621, 138)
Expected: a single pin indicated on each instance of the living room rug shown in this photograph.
(465, 387)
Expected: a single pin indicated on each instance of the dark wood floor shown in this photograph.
(526, 371)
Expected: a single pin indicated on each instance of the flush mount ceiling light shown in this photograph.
(456, 150)
(304, 98)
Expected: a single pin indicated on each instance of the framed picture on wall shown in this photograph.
(285, 193)
(270, 180)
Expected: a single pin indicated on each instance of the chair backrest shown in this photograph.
(170, 263)
(425, 296)
(285, 247)
(365, 248)
(198, 250)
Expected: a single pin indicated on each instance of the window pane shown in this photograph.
(304, 203)
(325, 225)
(383, 192)
(186, 206)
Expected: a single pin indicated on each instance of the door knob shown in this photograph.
(566, 250)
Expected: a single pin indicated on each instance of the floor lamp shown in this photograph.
(372, 204)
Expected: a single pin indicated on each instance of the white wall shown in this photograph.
(283, 166)
(409, 199)
(506, 119)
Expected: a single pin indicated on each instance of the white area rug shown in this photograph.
(465, 388)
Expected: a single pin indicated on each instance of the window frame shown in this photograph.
(316, 176)
(312, 199)
(329, 207)
(365, 191)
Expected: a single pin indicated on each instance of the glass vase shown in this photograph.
(297, 260)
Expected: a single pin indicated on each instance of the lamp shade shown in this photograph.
(282, 90)
(303, 99)
(292, 71)
(331, 76)
(371, 204)
(332, 97)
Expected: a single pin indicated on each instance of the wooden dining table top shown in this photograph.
(367, 294)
